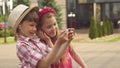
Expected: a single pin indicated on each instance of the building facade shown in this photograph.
(78, 13)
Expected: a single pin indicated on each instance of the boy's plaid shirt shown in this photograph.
(30, 51)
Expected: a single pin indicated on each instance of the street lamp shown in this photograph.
(119, 25)
(71, 15)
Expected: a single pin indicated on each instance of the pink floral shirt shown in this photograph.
(30, 51)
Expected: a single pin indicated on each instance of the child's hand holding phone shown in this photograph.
(71, 33)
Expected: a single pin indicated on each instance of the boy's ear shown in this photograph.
(19, 27)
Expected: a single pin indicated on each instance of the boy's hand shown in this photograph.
(63, 37)
(66, 36)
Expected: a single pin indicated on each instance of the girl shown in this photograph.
(31, 52)
(48, 29)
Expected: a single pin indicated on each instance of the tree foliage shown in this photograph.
(93, 32)
(17, 2)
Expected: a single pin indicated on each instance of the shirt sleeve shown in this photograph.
(29, 55)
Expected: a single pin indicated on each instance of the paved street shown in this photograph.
(96, 55)
(8, 58)
(99, 55)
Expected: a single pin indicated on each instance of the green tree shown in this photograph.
(99, 27)
(4, 17)
(1, 18)
(17, 2)
(52, 4)
(93, 32)
(111, 27)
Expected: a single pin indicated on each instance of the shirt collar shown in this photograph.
(26, 39)
(23, 38)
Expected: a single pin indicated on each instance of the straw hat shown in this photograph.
(17, 15)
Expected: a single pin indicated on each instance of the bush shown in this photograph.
(1, 33)
(111, 27)
(93, 32)
(99, 29)
(8, 33)
(107, 28)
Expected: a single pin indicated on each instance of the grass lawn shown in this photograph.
(9, 40)
(99, 40)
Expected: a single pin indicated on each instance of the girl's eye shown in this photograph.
(55, 24)
(50, 26)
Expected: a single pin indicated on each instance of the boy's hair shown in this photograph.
(17, 15)
(31, 16)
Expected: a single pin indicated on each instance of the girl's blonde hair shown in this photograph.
(41, 22)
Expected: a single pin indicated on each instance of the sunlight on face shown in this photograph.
(28, 29)
(50, 26)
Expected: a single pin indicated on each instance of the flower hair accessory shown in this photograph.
(46, 10)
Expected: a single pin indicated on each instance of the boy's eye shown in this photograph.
(31, 25)
(49, 26)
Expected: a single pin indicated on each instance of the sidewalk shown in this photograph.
(8, 58)
(96, 55)
(99, 55)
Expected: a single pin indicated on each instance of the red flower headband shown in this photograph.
(46, 10)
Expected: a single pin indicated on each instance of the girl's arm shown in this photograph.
(77, 58)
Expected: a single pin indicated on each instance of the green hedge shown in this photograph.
(93, 32)
(99, 29)
(8, 33)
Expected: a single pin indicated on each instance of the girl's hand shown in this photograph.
(42, 35)
(71, 33)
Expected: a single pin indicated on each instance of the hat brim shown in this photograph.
(14, 29)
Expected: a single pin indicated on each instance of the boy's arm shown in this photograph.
(71, 33)
(49, 59)
(61, 51)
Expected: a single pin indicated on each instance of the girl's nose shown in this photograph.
(53, 28)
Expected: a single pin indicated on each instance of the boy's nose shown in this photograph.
(34, 28)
